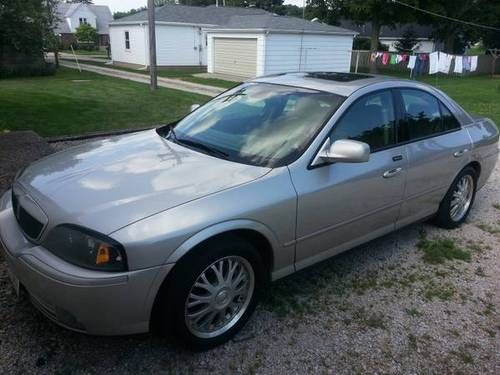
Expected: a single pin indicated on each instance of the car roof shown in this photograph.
(343, 84)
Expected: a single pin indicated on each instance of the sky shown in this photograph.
(123, 5)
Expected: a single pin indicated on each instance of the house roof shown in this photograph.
(65, 10)
(233, 18)
(364, 30)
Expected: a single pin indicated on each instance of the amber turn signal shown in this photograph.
(102, 254)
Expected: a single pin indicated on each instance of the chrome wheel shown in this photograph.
(462, 197)
(219, 297)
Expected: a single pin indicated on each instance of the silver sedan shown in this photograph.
(182, 227)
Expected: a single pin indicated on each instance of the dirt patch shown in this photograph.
(18, 149)
(381, 307)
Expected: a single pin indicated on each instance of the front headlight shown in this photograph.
(86, 248)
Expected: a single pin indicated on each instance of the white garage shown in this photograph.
(248, 48)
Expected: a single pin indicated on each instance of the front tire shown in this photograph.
(213, 292)
(456, 204)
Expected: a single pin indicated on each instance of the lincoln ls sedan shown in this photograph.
(181, 228)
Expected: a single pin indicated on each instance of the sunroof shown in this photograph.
(339, 77)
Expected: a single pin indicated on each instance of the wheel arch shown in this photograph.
(257, 233)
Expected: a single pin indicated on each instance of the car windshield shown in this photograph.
(257, 123)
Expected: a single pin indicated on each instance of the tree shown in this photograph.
(118, 15)
(327, 11)
(363, 44)
(491, 16)
(26, 28)
(408, 43)
(455, 35)
(379, 13)
(86, 34)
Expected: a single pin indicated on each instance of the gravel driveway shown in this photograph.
(380, 308)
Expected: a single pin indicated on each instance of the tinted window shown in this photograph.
(371, 120)
(426, 115)
(449, 121)
(257, 123)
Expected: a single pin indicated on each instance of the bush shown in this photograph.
(363, 44)
(28, 70)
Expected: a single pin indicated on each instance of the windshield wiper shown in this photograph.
(201, 146)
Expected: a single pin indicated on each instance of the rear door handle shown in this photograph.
(461, 152)
(392, 172)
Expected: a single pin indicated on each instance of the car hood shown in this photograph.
(108, 184)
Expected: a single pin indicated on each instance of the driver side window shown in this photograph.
(370, 119)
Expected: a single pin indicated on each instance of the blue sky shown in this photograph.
(121, 5)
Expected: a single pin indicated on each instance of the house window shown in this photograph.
(83, 21)
(127, 40)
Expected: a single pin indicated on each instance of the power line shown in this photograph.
(446, 17)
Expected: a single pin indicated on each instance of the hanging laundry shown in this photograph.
(411, 62)
(393, 60)
(473, 63)
(466, 63)
(433, 63)
(445, 62)
(421, 63)
(385, 58)
(458, 65)
(373, 57)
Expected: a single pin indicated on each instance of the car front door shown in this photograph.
(437, 150)
(341, 205)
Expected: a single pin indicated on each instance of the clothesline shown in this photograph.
(434, 62)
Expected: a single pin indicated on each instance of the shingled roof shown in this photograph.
(233, 18)
(65, 10)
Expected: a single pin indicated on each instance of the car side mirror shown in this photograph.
(343, 151)
(194, 107)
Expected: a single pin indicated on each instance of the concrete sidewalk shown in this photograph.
(143, 78)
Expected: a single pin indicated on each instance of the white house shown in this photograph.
(72, 15)
(245, 42)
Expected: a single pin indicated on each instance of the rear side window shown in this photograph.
(425, 115)
(449, 121)
(371, 120)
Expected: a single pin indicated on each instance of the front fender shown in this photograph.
(227, 226)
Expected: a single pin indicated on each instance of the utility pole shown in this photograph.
(152, 45)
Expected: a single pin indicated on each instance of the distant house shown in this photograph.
(245, 42)
(389, 36)
(72, 15)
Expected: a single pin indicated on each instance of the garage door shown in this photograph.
(235, 56)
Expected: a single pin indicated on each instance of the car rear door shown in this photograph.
(437, 149)
(343, 204)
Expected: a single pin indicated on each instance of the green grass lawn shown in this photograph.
(183, 75)
(71, 103)
(479, 95)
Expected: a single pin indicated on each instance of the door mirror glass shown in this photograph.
(194, 107)
(344, 151)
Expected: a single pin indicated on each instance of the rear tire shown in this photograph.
(457, 203)
(204, 304)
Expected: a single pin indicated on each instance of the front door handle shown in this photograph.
(461, 152)
(392, 172)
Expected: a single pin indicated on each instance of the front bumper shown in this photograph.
(87, 301)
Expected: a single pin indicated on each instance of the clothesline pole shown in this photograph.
(357, 62)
